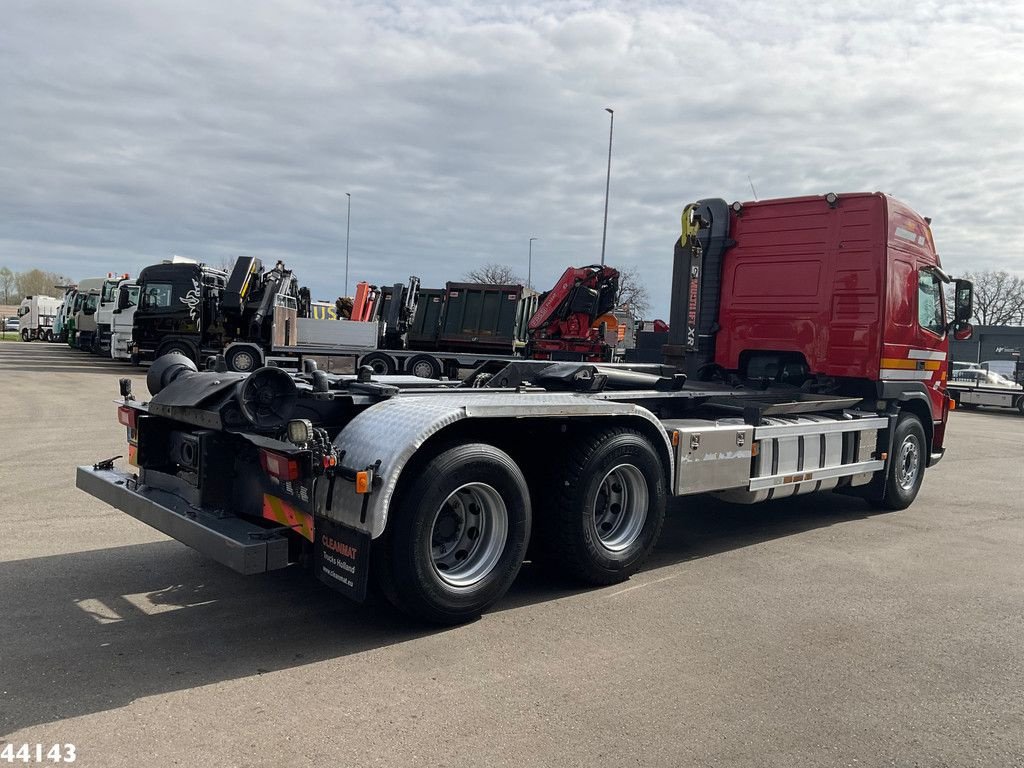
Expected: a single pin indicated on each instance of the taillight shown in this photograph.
(127, 416)
(281, 467)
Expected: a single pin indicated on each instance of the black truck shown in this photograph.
(197, 311)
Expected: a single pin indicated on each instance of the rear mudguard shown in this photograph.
(393, 431)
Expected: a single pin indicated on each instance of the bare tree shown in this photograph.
(498, 274)
(998, 298)
(633, 296)
(227, 263)
(7, 282)
(35, 282)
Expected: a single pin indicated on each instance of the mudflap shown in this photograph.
(341, 558)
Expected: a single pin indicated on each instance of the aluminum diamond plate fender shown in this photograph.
(392, 431)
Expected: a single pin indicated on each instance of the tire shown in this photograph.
(25, 335)
(243, 358)
(382, 364)
(584, 535)
(424, 366)
(431, 564)
(48, 337)
(179, 346)
(1020, 405)
(907, 463)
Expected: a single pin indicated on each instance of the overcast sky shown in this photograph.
(132, 131)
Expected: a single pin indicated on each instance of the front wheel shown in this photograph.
(243, 358)
(25, 335)
(907, 462)
(604, 514)
(458, 535)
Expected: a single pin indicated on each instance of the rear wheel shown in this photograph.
(179, 346)
(380, 363)
(48, 336)
(424, 366)
(605, 514)
(1020, 405)
(458, 535)
(906, 465)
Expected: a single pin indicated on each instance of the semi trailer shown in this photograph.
(807, 353)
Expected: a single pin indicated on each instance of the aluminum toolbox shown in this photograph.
(710, 455)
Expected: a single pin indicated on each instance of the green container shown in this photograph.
(427, 322)
(480, 317)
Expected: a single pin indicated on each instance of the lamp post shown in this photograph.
(529, 265)
(348, 231)
(608, 180)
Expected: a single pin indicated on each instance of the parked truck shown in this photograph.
(63, 322)
(122, 320)
(35, 317)
(250, 316)
(83, 330)
(105, 307)
(808, 346)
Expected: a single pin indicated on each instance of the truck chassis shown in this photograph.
(448, 483)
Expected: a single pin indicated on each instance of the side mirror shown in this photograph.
(963, 332)
(123, 301)
(963, 305)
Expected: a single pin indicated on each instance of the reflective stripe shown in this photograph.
(921, 354)
(896, 374)
(910, 365)
(280, 512)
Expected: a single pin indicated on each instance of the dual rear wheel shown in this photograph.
(460, 530)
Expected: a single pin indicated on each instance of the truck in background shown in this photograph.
(808, 349)
(65, 312)
(36, 315)
(252, 316)
(105, 311)
(83, 334)
(123, 320)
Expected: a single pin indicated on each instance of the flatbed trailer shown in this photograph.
(434, 489)
(969, 395)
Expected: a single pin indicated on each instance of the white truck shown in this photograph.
(105, 311)
(35, 317)
(122, 320)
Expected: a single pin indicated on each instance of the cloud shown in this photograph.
(133, 132)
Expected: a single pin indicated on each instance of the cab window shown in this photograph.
(930, 312)
(157, 295)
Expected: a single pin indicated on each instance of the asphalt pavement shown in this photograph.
(805, 632)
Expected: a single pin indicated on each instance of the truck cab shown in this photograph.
(86, 304)
(123, 320)
(834, 293)
(105, 311)
(177, 310)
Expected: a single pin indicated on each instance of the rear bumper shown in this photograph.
(239, 544)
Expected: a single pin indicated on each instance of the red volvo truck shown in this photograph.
(808, 354)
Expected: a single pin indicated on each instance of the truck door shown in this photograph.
(916, 346)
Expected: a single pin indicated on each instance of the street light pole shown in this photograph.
(529, 265)
(608, 181)
(348, 231)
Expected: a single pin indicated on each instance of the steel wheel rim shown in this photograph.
(423, 369)
(468, 535)
(908, 465)
(620, 509)
(242, 361)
